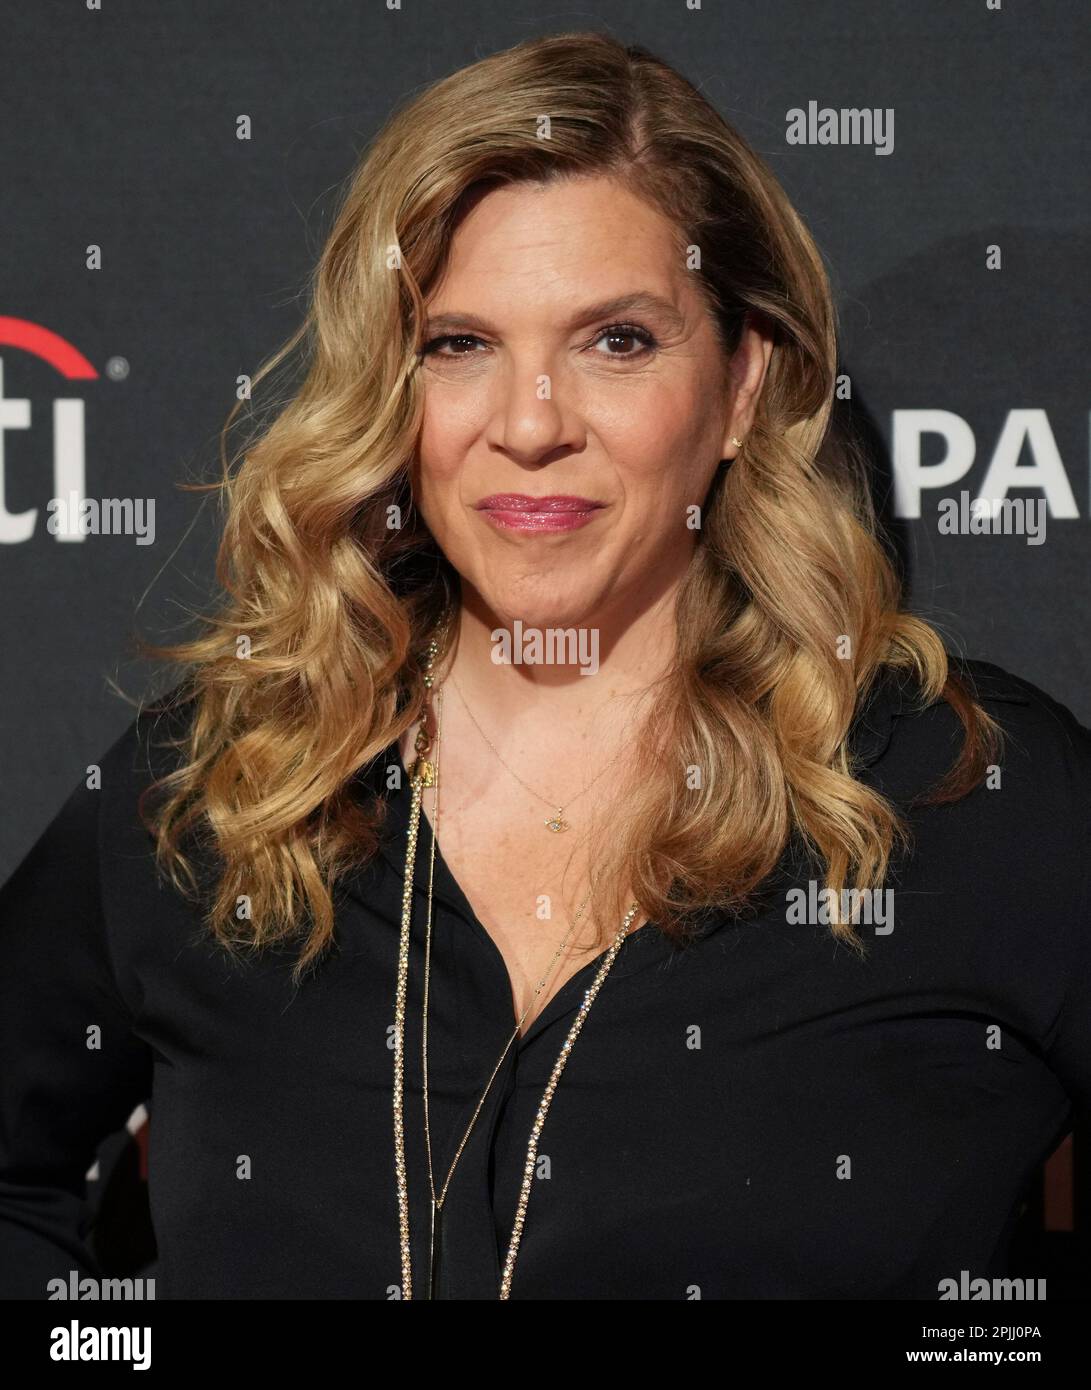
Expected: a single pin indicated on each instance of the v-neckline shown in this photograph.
(447, 887)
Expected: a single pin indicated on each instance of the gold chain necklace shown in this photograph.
(424, 773)
(556, 822)
(437, 1201)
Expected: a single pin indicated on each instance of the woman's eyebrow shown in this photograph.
(639, 302)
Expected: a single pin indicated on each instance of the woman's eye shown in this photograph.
(458, 341)
(625, 340)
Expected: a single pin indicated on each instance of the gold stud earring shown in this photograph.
(737, 442)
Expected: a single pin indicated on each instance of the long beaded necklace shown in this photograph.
(424, 773)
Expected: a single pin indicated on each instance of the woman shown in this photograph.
(561, 724)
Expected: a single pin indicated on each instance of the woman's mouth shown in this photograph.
(516, 511)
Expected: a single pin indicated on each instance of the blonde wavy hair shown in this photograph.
(312, 667)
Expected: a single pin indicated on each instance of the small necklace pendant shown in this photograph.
(558, 823)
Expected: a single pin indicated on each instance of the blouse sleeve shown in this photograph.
(1069, 1052)
(71, 1068)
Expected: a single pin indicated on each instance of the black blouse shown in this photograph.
(761, 1114)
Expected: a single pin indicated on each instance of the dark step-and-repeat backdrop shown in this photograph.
(169, 171)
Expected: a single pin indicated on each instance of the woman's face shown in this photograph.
(569, 356)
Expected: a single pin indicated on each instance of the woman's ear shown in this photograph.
(747, 370)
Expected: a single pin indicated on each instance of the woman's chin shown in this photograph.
(539, 611)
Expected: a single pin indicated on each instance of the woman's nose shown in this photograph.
(529, 417)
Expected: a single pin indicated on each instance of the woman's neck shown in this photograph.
(553, 676)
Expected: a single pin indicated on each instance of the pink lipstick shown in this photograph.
(516, 511)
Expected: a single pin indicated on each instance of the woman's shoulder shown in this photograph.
(1042, 736)
(100, 807)
(990, 683)
(1039, 728)
(148, 746)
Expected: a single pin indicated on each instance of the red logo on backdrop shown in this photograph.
(68, 420)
